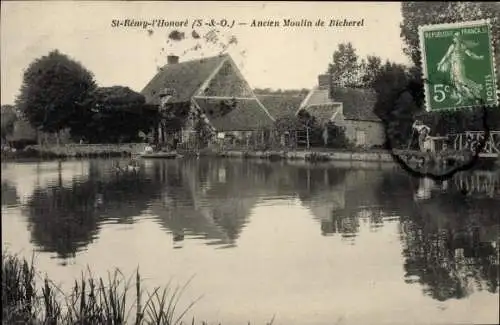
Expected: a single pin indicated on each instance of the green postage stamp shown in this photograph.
(458, 65)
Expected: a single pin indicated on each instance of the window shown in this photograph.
(360, 138)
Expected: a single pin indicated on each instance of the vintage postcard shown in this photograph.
(250, 162)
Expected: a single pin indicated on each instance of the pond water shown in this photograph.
(316, 244)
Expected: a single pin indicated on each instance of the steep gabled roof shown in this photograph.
(317, 96)
(279, 105)
(238, 114)
(324, 112)
(358, 104)
(185, 77)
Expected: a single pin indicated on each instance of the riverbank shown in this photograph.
(97, 151)
(75, 151)
(313, 155)
(134, 149)
(91, 301)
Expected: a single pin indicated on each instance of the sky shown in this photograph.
(268, 57)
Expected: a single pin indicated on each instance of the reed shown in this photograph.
(91, 300)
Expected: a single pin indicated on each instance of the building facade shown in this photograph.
(211, 90)
(350, 108)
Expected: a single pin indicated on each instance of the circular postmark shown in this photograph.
(425, 153)
(457, 87)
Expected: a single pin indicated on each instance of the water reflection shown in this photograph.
(65, 218)
(448, 231)
(450, 237)
(207, 199)
(9, 194)
(450, 247)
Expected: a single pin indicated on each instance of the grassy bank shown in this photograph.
(313, 155)
(31, 153)
(29, 298)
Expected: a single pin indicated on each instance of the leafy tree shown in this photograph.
(9, 117)
(204, 131)
(287, 123)
(55, 88)
(345, 68)
(117, 114)
(313, 127)
(337, 137)
(371, 68)
(396, 104)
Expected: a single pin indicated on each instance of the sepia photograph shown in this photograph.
(250, 162)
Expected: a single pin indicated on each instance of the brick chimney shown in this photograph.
(324, 81)
(172, 59)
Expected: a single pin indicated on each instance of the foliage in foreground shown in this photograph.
(91, 300)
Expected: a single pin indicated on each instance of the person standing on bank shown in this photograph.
(424, 141)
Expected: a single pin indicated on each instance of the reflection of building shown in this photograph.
(213, 87)
(206, 199)
(360, 193)
(9, 194)
(350, 108)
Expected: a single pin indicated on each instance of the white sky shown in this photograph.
(273, 57)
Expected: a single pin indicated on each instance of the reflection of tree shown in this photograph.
(9, 194)
(64, 219)
(447, 239)
(340, 198)
(449, 246)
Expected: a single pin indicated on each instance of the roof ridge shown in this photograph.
(238, 72)
(196, 60)
(355, 88)
(278, 95)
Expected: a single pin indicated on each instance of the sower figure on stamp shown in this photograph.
(453, 64)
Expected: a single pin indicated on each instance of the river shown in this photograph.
(305, 244)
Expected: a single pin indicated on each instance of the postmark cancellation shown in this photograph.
(458, 65)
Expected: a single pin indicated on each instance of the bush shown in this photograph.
(337, 137)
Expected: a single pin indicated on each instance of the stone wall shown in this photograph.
(374, 133)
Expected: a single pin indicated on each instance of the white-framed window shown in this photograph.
(360, 138)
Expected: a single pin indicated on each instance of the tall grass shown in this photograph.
(90, 301)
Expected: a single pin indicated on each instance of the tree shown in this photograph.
(116, 114)
(55, 88)
(396, 103)
(312, 127)
(287, 123)
(371, 69)
(204, 131)
(337, 137)
(345, 69)
(9, 117)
